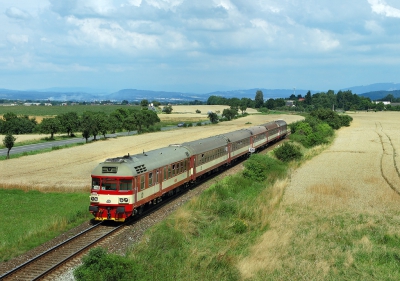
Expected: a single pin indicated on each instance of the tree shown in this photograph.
(259, 99)
(150, 117)
(144, 103)
(125, 102)
(243, 108)
(167, 109)
(8, 142)
(308, 98)
(213, 117)
(69, 122)
(50, 126)
(229, 113)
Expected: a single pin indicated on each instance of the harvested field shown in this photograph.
(337, 209)
(70, 169)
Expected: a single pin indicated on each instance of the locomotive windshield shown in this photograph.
(112, 184)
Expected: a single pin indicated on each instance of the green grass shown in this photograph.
(204, 239)
(57, 110)
(31, 218)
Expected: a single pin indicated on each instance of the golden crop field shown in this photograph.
(70, 169)
(350, 188)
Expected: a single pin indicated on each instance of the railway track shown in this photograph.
(49, 261)
(43, 264)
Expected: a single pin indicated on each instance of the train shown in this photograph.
(123, 186)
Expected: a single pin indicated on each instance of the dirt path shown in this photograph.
(69, 169)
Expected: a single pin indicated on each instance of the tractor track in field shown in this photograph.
(379, 127)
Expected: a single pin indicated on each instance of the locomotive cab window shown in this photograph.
(125, 185)
(109, 184)
(96, 184)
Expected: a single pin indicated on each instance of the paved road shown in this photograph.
(50, 144)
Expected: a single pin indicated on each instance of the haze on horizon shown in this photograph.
(198, 46)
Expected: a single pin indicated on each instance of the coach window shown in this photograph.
(165, 173)
(156, 176)
(150, 179)
(182, 168)
(178, 168)
(169, 171)
(125, 185)
(142, 182)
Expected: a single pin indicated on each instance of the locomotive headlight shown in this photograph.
(123, 200)
(94, 199)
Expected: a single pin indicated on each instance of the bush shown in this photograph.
(198, 124)
(98, 265)
(198, 111)
(260, 167)
(288, 152)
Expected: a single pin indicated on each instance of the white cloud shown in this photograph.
(17, 39)
(382, 8)
(165, 4)
(374, 27)
(16, 13)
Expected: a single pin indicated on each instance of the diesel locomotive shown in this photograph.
(123, 186)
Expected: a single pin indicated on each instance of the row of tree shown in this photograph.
(344, 100)
(90, 123)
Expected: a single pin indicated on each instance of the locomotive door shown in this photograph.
(158, 181)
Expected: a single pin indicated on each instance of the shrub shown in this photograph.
(198, 111)
(98, 265)
(288, 152)
(198, 124)
(260, 167)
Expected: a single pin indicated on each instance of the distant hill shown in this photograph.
(373, 91)
(377, 95)
(360, 90)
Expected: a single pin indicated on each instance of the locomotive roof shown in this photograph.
(132, 165)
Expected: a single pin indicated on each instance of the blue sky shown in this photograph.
(198, 46)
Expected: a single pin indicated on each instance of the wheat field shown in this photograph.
(70, 169)
(352, 187)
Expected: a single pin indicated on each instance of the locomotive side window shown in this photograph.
(185, 164)
(150, 179)
(125, 185)
(142, 182)
(178, 168)
(96, 184)
(169, 171)
(156, 176)
(182, 167)
(165, 173)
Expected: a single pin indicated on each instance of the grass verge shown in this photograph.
(31, 218)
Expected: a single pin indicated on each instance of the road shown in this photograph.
(50, 144)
